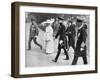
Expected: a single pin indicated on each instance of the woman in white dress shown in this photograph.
(49, 41)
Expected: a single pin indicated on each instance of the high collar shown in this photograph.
(80, 27)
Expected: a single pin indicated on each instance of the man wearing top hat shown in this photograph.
(80, 50)
(62, 39)
(33, 34)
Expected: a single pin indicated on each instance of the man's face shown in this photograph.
(79, 24)
(60, 21)
(69, 24)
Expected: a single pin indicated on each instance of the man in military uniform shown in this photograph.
(70, 32)
(62, 39)
(33, 34)
(80, 50)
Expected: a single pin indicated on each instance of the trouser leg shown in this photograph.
(73, 47)
(35, 41)
(75, 59)
(68, 45)
(29, 43)
(58, 53)
(66, 53)
(76, 54)
(84, 56)
(84, 59)
(72, 43)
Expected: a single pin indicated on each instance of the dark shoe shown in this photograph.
(41, 47)
(54, 60)
(73, 63)
(85, 63)
(66, 59)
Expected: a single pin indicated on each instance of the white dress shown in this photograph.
(49, 42)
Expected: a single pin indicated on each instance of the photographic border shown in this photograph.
(15, 69)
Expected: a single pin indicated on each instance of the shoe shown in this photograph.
(54, 60)
(41, 47)
(66, 59)
(85, 63)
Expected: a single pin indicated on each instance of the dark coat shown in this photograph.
(33, 30)
(70, 32)
(62, 34)
(82, 35)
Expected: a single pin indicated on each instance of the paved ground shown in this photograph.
(37, 58)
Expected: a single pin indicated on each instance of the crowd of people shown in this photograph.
(75, 36)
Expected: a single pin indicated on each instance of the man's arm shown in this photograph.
(36, 27)
(74, 31)
(57, 33)
(84, 38)
(30, 28)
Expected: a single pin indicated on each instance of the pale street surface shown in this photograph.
(37, 58)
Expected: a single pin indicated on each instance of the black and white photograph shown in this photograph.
(56, 39)
(51, 39)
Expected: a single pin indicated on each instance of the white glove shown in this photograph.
(83, 45)
(60, 41)
(81, 49)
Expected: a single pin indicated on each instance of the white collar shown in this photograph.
(80, 27)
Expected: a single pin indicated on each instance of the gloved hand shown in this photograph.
(83, 45)
(81, 49)
(61, 41)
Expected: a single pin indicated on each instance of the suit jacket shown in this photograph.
(82, 35)
(62, 34)
(33, 30)
(71, 31)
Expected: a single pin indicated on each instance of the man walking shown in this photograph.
(80, 50)
(62, 40)
(33, 34)
(70, 32)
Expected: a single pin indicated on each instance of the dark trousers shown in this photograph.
(71, 43)
(78, 54)
(35, 41)
(59, 50)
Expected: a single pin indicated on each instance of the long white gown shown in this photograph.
(49, 40)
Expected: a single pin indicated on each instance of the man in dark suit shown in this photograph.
(62, 39)
(80, 50)
(33, 34)
(70, 32)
